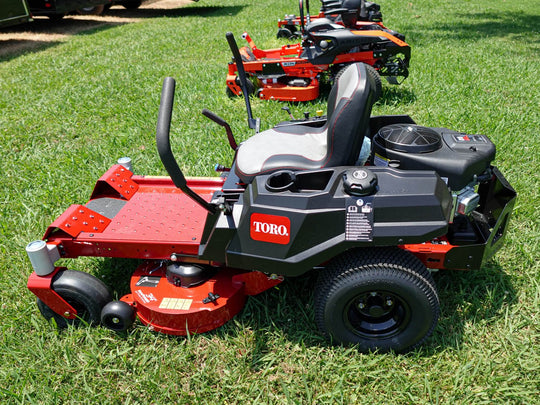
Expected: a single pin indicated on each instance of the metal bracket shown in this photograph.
(77, 219)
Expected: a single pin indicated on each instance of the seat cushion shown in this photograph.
(289, 147)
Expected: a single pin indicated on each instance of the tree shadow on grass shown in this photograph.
(46, 34)
(198, 11)
(493, 24)
(12, 48)
(474, 26)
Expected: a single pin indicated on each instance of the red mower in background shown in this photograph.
(295, 72)
(292, 202)
(352, 14)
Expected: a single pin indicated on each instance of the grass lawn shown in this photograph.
(69, 109)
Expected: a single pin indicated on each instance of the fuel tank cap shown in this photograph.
(359, 181)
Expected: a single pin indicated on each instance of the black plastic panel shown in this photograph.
(407, 207)
(458, 158)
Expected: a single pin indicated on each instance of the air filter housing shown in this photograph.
(457, 157)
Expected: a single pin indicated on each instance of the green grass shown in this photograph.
(70, 109)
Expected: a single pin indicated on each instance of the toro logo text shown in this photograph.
(270, 228)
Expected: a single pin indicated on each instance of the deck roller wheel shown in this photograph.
(118, 316)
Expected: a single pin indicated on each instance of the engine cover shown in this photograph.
(457, 157)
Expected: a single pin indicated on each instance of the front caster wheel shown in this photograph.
(379, 299)
(288, 33)
(84, 292)
(249, 84)
(118, 316)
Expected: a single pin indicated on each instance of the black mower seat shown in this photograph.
(321, 25)
(302, 147)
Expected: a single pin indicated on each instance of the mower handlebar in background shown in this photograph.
(307, 17)
(220, 121)
(164, 145)
(253, 123)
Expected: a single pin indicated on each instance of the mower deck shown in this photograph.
(175, 310)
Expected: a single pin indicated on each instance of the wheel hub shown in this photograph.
(377, 314)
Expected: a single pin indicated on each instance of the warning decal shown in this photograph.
(176, 303)
(359, 220)
(379, 160)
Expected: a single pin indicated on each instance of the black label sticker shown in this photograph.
(469, 138)
(359, 220)
(148, 281)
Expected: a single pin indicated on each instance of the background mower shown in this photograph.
(294, 72)
(292, 202)
(353, 14)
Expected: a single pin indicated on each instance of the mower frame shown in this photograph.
(206, 244)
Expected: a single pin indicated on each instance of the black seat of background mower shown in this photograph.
(348, 17)
(321, 25)
(355, 12)
(303, 147)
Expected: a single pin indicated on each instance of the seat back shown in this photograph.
(303, 147)
(349, 108)
(350, 17)
(322, 25)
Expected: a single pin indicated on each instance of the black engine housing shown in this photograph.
(457, 157)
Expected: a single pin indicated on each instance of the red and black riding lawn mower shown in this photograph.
(294, 72)
(353, 14)
(292, 202)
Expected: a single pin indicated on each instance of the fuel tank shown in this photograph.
(288, 222)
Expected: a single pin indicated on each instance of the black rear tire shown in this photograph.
(377, 79)
(84, 292)
(131, 4)
(284, 32)
(56, 17)
(377, 298)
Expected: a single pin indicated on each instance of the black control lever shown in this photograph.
(288, 110)
(363, 13)
(220, 121)
(252, 122)
(164, 145)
